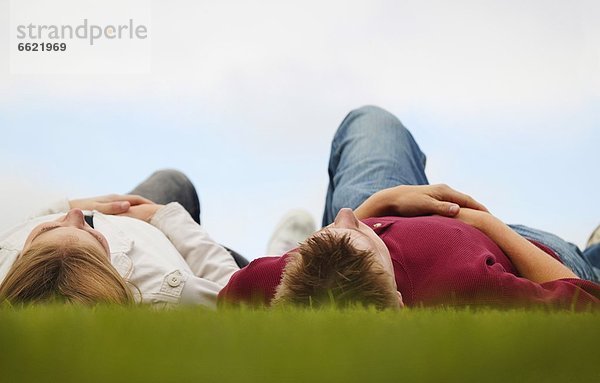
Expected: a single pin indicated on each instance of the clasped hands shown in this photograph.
(420, 200)
(128, 205)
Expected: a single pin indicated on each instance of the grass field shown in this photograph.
(103, 344)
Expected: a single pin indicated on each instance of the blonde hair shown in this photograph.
(327, 270)
(66, 273)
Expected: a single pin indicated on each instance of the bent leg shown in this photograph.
(371, 151)
(169, 185)
(570, 254)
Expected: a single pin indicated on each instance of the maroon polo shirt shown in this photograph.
(438, 261)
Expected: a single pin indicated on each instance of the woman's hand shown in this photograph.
(143, 212)
(417, 200)
(109, 204)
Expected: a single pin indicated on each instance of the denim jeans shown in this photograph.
(592, 254)
(372, 150)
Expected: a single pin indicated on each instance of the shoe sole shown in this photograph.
(293, 215)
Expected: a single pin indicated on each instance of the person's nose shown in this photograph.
(346, 219)
(74, 218)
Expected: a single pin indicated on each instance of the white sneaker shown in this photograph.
(594, 238)
(294, 227)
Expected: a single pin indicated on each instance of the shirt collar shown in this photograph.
(119, 243)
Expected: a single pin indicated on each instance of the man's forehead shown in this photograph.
(341, 231)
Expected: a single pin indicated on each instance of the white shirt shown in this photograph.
(170, 260)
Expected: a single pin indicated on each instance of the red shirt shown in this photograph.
(437, 261)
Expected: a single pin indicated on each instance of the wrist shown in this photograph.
(487, 222)
(163, 212)
(382, 204)
(369, 208)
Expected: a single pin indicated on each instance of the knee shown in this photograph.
(172, 176)
(374, 118)
(371, 110)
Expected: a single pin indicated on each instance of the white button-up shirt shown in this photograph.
(170, 260)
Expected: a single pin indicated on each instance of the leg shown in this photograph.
(238, 258)
(592, 251)
(371, 150)
(168, 185)
(570, 254)
(592, 254)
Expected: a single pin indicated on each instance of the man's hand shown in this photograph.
(417, 200)
(143, 212)
(109, 204)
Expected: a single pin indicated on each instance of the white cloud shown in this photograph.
(457, 56)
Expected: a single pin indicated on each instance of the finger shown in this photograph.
(471, 203)
(133, 199)
(137, 199)
(463, 200)
(447, 209)
(116, 207)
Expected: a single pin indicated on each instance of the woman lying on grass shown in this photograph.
(403, 254)
(129, 249)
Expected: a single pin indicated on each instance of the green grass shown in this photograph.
(104, 344)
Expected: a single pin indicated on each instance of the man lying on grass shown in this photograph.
(402, 253)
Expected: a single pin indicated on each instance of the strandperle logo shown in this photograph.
(83, 31)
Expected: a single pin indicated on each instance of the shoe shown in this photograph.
(594, 238)
(294, 227)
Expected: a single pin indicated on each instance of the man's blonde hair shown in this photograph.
(65, 273)
(328, 270)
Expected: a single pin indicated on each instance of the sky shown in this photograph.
(502, 96)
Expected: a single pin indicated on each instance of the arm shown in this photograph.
(206, 258)
(416, 200)
(531, 262)
(107, 204)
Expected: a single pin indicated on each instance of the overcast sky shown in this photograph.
(502, 96)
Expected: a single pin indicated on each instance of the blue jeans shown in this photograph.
(592, 254)
(372, 150)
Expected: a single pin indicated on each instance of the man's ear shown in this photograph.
(400, 301)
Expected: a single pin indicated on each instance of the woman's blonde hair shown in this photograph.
(64, 273)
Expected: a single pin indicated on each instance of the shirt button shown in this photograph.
(377, 225)
(174, 281)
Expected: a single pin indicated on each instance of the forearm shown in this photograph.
(531, 262)
(375, 206)
(206, 258)
(416, 200)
